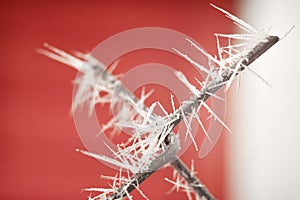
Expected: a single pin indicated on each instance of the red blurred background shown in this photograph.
(38, 136)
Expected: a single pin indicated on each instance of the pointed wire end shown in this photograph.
(270, 40)
(274, 38)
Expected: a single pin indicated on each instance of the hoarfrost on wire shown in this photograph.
(97, 85)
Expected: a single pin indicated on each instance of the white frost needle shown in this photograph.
(210, 57)
(75, 63)
(240, 22)
(234, 47)
(98, 197)
(201, 124)
(235, 72)
(61, 56)
(202, 84)
(220, 50)
(113, 178)
(162, 108)
(190, 86)
(186, 122)
(192, 168)
(240, 36)
(177, 184)
(149, 113)
(113, 66)
(90, 84)
(81, 55)
(215, 116)
(109, 160)
(141, 192)
(122, 117)
(145, 96)
(188, 129)
(172, 102)
(200, 67)
(106, 190)
(137, 108)
(258, 76)
(215, 96)
(123, 156)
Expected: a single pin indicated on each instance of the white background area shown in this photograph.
(264, 153)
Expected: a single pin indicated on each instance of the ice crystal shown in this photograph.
(91, 82)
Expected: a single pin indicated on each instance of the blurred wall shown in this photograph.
(265, 150)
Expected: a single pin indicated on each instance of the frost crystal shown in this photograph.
(91, 82)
